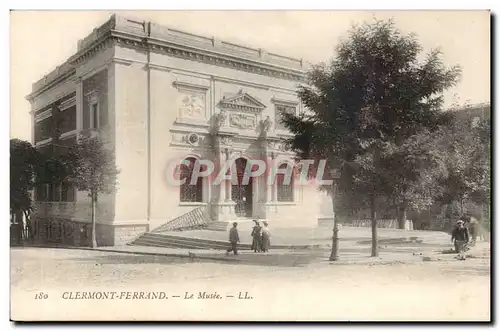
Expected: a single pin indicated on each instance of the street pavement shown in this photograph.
(289, 285)
(320, 235)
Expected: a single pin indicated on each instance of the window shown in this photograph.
(67, 192)
(44, 129)
(189, 192)
(279, 110)
(55, 192)
(42, 192)
(94, 115)
(284, 189)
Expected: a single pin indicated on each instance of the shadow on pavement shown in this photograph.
(120, 258)
(469, 270)
(260, 259)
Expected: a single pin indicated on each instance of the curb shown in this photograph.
(129, 252)
(221, 258)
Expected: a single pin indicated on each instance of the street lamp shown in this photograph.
(334, 256)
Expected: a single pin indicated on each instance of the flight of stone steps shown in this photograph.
(177, 241)
(218, 226)
(171, 241)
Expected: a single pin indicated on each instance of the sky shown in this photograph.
(42, 40)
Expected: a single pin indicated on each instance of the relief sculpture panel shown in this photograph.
(192, 105)
(242, 121)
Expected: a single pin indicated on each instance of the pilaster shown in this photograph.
(223, 207)
(79, 105)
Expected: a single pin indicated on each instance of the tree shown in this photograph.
(410, 172)
(93, 171)
(28, 169)
(24, 159)
(468, 162)
(374, 92)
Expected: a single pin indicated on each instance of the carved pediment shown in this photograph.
(242, 102)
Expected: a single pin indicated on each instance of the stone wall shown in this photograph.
(66, 232)
(382, 223)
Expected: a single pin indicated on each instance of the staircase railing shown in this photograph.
(194, 219)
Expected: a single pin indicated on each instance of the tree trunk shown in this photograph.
(373, 216)
(27, 228)
(333, 197)
(93, 199)
(401, 217)
(461, 207)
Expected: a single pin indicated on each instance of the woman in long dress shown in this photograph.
(256, 235)
(266, 238)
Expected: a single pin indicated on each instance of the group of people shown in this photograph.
(465, 234)
(261, 238)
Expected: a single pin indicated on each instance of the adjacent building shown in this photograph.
(157, 95)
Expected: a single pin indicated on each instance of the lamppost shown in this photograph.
(334, 256)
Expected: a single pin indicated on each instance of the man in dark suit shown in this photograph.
(460, 237)
(234, 239)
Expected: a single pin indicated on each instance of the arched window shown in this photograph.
(284, 188)
(190, 192)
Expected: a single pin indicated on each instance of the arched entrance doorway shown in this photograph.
(241, 192)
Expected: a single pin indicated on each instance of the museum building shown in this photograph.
(157, 95)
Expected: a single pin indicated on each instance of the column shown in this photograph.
(79, 105)
(229, 183)
(229, 186)
(274, 186)
(255, 196)
(222, 185)
(207, 189)
(32, 113)
(269, 187)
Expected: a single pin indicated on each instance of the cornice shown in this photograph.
(250, 109)
(220, 59)
(67, 104)
(43, 142)
(188, 86)
(173, 48)
(284, 102)
(97, 46)
(68, 134)
(254, 105)
(50, 84)
(43, 115)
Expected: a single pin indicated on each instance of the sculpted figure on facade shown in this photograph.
(267, 124)
(220, 119)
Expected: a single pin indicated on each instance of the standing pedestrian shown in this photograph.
(473, 229)
(460, 238)
(234, 239)
(266, 237)
(257, 239)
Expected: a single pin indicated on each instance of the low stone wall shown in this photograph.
(384, 223)
(67, 232)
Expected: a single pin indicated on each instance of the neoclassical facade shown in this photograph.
(160, 96)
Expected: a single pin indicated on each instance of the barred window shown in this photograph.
(279, 110)
(284, 189)
(67, 192)
(94, 115)
(42, 192)
(189, 192)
